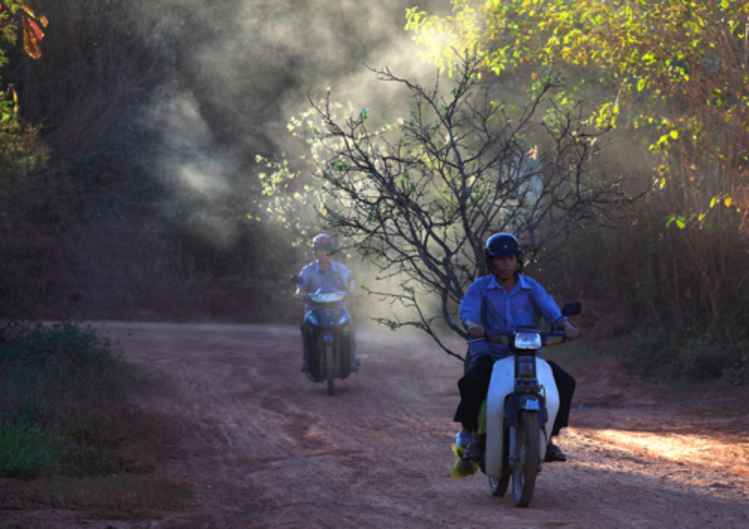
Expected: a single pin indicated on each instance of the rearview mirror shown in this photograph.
(572, 309)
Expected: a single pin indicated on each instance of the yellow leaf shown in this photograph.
(727, 202)
(28, 10)
(661, 183)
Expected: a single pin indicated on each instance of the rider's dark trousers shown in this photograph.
(475, 384)
(309, 338)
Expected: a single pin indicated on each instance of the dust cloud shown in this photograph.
(241, 68)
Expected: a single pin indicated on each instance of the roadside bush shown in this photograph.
(698, 357)
(25, 449)
(62, 401)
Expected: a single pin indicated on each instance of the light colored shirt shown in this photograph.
(335, 278)
(498, 311)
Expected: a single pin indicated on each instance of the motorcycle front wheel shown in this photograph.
(527, 460)
(498, 487)
(330, 368)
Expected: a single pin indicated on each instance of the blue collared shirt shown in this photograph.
(498, 311)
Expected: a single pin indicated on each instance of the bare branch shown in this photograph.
(417, 199)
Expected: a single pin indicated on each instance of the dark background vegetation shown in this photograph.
(150, 115)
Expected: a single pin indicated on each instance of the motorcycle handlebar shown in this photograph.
(547, 338)
(308, 297)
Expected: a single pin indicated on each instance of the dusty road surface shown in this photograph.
(260, 447)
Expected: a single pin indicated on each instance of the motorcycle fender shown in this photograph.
(501, 385)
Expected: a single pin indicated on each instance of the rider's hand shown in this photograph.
(570, 331)
(476, 330)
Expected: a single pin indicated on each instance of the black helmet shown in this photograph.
(323, 242)
(503, 244)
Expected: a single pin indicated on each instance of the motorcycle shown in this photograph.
(331, 341)
(519, 412)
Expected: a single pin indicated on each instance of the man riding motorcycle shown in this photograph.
(498, 303)
(323, 274)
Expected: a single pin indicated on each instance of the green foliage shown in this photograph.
(60, 388)
(20, 150)
(696, 357)
(677, 69)
(27, 450)
(670, 80)
(18, 15)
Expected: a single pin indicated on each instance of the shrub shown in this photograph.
(63, 397)
(26, 449)
(699, 356)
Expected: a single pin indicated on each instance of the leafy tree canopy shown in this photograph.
(676, 70)
(18, 16)
(19, 150)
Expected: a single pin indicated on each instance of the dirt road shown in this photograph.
(263, 448)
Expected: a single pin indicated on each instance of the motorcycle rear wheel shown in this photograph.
(526, 465)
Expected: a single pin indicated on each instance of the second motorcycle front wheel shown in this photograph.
(330, 369)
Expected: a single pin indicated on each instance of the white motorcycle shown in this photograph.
(520, 410)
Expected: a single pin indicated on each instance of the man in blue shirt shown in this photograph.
(496, 304)
(327, 275)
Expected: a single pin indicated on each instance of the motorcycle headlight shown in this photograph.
(528, 341)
